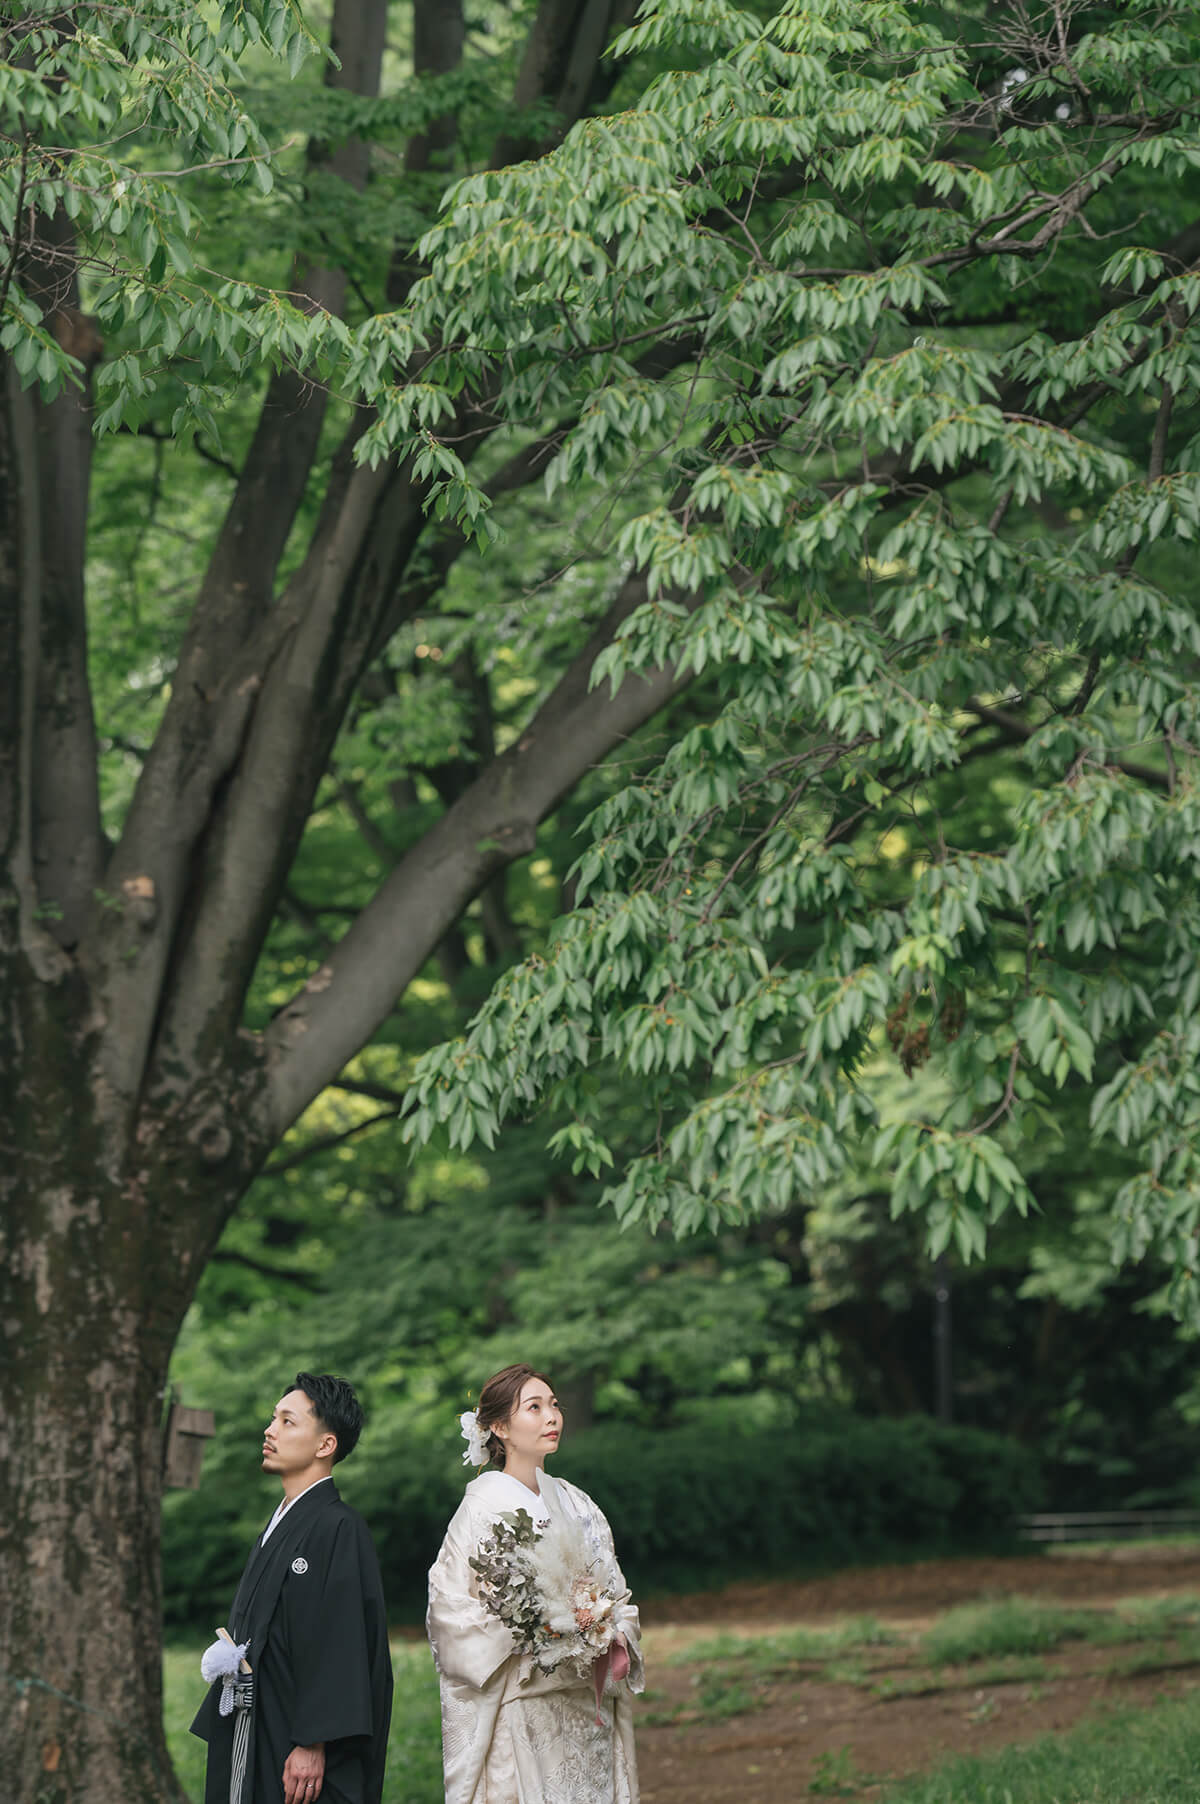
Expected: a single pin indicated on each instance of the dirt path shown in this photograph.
(811, 1737)
(925, 1587)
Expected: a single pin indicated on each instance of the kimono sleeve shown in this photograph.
(331, 1640)
(469, 1643)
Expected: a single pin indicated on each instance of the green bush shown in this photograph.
(691, 1505)
(683, 1501)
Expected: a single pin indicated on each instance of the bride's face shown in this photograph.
(533, 1429)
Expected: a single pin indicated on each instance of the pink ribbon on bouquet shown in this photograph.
(614, 1659)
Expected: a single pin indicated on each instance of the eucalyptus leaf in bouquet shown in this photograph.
(557, 1589)
(507, 1581)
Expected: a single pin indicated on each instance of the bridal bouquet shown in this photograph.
(557, 1590)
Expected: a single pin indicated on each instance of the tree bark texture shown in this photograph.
(97, 1267)
(135, 1109)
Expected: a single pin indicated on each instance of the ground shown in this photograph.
(767, 1693)
(841, 1687)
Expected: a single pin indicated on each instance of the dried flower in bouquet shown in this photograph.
(558, 1590)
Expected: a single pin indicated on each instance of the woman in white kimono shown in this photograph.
(512, 1734)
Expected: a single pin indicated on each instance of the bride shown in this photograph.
(512, 1734)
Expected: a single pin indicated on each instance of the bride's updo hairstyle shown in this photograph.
(497, 1401)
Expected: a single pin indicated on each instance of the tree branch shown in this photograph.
(563, 62)
(345, 602)
(439, 38)
(239, 582)
(302, 1280)
(330, 610)
(326, 1143)
(20, 585)
(1086, 689)
(1158, 445)
(492, 823)
(230, 628)
(149, 430)
(68, 842)
(1015, 729)
(374, 1092)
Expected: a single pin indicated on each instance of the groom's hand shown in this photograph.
(303, 1774)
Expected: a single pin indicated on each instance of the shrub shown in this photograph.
(690, 1505)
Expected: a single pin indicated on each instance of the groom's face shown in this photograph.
(294, 1440)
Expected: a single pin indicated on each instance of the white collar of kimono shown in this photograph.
(287, 1502)
(500, 1492)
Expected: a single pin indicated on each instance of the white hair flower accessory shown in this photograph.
(476, 1439)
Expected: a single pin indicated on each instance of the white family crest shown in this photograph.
(299, 1564)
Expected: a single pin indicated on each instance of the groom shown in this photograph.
(309, 1723)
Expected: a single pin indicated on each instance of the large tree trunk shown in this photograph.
(97, 1268)
(80, 1599)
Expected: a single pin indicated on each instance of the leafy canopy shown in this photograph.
(876, 326)
(927, 487)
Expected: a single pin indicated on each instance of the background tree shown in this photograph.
(821, 327)
(910, 535)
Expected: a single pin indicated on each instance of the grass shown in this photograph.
(771, 1656)
(1003, 1643)
(1020, 1625)
(1016, 1625)
(414, 1773)
(733, 1675)
(835, 1775)
(1143, 1756)
(1011, 1669)
(1120, 1546)
(1011, 1629)
(716, 1695)
(732, 1672)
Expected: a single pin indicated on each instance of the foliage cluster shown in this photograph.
(875, 339)
(905, 461)
(904, 539)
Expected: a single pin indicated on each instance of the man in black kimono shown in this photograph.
(312, 1722)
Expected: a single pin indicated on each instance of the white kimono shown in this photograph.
(512, 1734)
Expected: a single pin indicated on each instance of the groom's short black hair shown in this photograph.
(335, 1406)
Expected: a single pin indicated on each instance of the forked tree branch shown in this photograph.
(346, 600)
(230, 642)
(338, 610)
(492, 823)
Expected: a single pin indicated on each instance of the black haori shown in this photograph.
(310, 1611)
